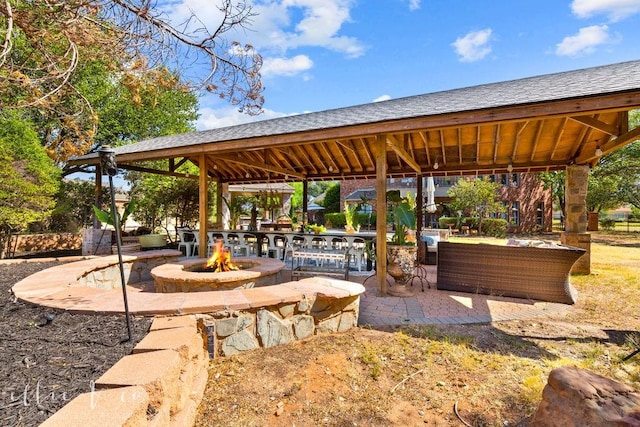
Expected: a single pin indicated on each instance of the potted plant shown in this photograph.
(351, 218)
(316, 228)
(402, 250)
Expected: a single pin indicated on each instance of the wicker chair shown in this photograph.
(512, 271)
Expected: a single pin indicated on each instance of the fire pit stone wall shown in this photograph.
(325, 306)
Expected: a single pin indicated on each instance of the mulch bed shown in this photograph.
(49, 356)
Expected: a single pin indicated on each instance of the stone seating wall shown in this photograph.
(161, 383)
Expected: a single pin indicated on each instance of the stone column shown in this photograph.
(576, 220)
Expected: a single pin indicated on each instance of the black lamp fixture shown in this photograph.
(110, 168)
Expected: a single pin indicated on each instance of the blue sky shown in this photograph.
(324, 54)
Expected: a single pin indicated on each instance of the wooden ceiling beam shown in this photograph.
(516, 142)
(356, 155)
(348, 167)
(496, 142)
(478, 133)
(459, 141)
(335, 167)
(596, 124)
(305, 160)
(442, 147)
(536, 139)
(426, 146)
(613, 144)
(558, 137)
(136, 168)
(262, 166)
(394, 144)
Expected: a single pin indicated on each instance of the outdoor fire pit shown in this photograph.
(192, 276)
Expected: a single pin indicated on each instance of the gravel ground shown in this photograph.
(48, 356)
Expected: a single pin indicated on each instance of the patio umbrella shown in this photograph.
(431, 194)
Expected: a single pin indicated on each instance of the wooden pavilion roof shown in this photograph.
(533, 124)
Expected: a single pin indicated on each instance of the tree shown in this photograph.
(45, 43)
(331, 201)
(479, 197)
(29, 178)
(73, 209)
(602, 193)
(555, 181)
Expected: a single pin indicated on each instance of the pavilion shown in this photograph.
(551, 122)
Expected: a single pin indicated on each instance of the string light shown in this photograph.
(598, 151)
(436, 165)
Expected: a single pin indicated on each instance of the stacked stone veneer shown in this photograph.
(161, 383)
(232, 332)
(105, 274)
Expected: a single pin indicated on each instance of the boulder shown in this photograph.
(577, 397)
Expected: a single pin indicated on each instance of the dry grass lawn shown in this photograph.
(491, 375)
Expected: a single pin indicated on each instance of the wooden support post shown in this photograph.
(204, 207)
(381, 216)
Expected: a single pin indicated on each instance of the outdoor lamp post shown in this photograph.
(110, 168)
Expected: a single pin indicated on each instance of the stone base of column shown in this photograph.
(583, 241)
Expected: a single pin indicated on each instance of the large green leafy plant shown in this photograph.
(404, 216)
(106, 216)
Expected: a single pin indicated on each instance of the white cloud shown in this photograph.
(319, 25)
(382, 98)
(614, 9)
(414, 4)
(212, 118)
(584, 42)
(285, 66)
(473, 46)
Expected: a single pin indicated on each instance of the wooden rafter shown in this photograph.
(261, 166)
(558, 137)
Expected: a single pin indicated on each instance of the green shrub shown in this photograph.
(607, 223)
(445, 221)
(335, 220)
(494, 227)
(471, 222)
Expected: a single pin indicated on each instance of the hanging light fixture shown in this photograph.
(598, 151)
(510, 168)
(436, 165)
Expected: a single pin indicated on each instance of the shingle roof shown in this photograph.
(392, 116)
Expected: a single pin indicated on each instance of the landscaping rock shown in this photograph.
(577, 397)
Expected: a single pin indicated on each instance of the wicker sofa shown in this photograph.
(539, 273)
